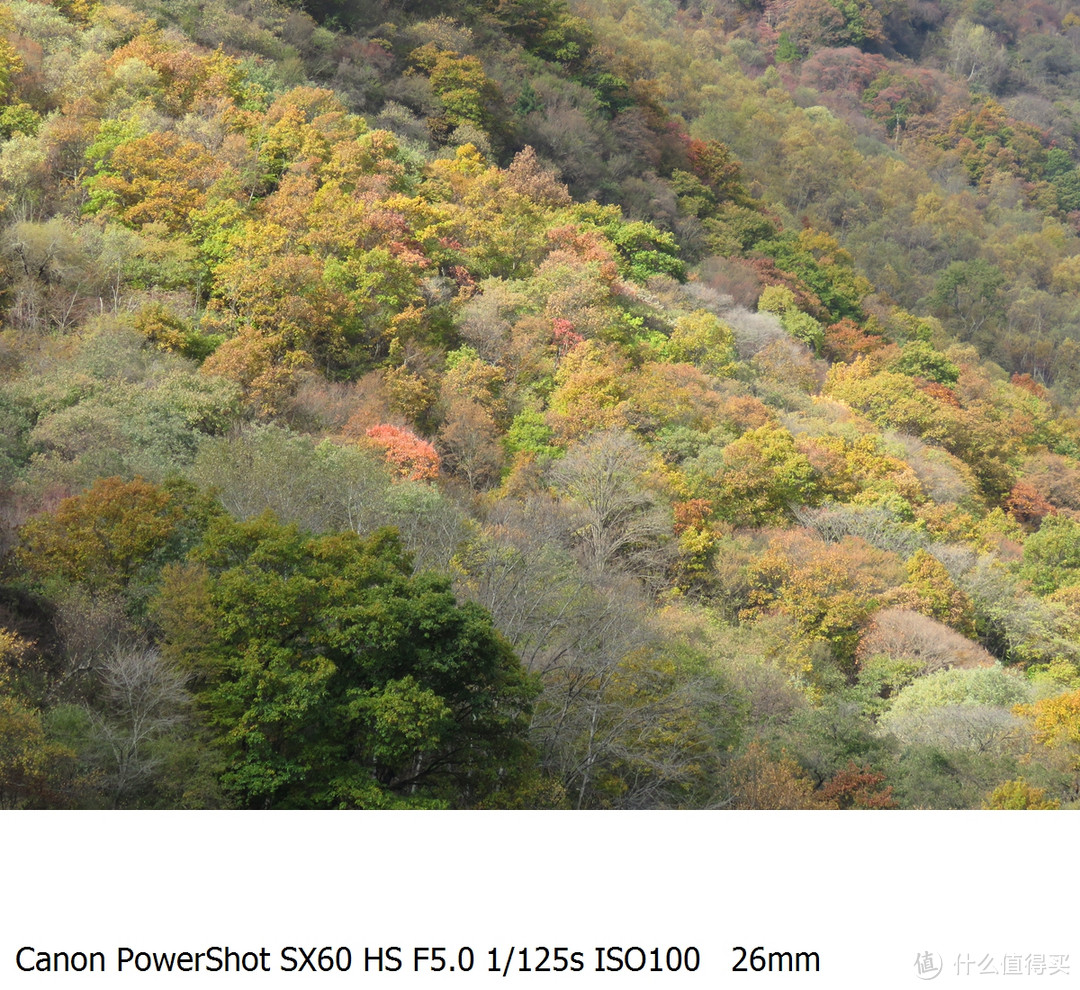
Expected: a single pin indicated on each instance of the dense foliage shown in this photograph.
(573, 403)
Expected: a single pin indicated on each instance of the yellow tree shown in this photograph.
(930, 591)
(764, 476)
(590, 390)
(159, 178)
(1019, 795)
(103, 537)
(830, 590)
(759, 782)
(1056, 723)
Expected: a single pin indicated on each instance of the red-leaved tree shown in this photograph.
(413, 458)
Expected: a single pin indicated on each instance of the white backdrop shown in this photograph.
(986, 898)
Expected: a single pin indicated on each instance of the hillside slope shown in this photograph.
(506, 404)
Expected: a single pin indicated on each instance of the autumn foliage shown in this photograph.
(718, 361)
(410, 456)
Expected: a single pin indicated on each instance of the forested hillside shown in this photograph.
(540, 404)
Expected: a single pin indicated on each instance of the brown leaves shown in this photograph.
(527, 177)
(900, 633)
(857, 787)
(761, 783)
(100, 538)
(262, 364)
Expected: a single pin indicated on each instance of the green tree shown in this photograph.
(919, 359)
(1052, 555)
(460, 83)
(786, 49)
(704, 341)
(930, 590)
(329, 677)
(35, 771)
(802, 326)
(546, 28)
(969, 292)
